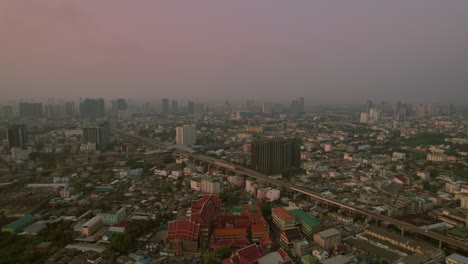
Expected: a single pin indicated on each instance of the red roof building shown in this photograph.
(183, 229)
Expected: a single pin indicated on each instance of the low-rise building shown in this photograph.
(282, 218)
(91, 226)
(328, 239)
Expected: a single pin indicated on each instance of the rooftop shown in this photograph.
(305, 217)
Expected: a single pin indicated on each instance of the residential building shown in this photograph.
(92, 108)
(91, 226)
(119, 104)
(301, 248)
(113, 218)
(364, 118)
(186, 135)
(17, 136)
(99, 134)
(210, 185)
(308, 224)
(456, 259)
(289, 236)
(275, 156)
(30, 110)
(282, 218)
(165, 105)
(328, 239)
(464, 201)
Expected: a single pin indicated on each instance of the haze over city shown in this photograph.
(328, 52)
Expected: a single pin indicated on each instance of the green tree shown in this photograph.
(208, 258)
(223, 252)
(122, 242)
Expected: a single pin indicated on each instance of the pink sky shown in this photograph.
(326, 51)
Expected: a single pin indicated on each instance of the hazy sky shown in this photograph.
(327, 51)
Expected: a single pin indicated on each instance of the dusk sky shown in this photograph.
(327, 51)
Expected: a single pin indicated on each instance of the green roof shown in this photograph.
(237, 208)
(305, 217)
(308, 259)
(20, 222)
(209, 179)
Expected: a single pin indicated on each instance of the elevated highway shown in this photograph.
(316, 196)
(254, 174)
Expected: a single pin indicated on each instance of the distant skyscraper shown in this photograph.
(92, 108)
(297, 106)
(364, 118)
(174, 107)
(267, 108)
(374, 115)
(190, 107)
(31, 110)
(99, 134)
(119, 104)
(369, 105)
(69, 108)
(186, 135)
(6, 112)
(165, 105)
(54, 110)
(17, 136)
(275, 156)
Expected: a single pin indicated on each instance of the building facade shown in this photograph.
(99, 134)
(17, 136)
(186, 135)
(275, 156)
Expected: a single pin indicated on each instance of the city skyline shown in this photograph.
(326, 52)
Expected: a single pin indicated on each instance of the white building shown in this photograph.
(20, 154)
(364, 118)
(273, 194)
(186, 135)
(374, 115)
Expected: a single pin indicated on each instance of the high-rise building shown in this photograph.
(54, 110)
(210, 185)
(374, 115)
(275, 156)
(99, 134)
(364, 118)
(190, 108)
(186, 135)
(297, 106)
(17, 136)
(6, 112)
(92, 108)
(69, 109)
(165, 105)
(267, 108)
(174, 107)
(31, 110)
(369, 105)
(119, 104)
